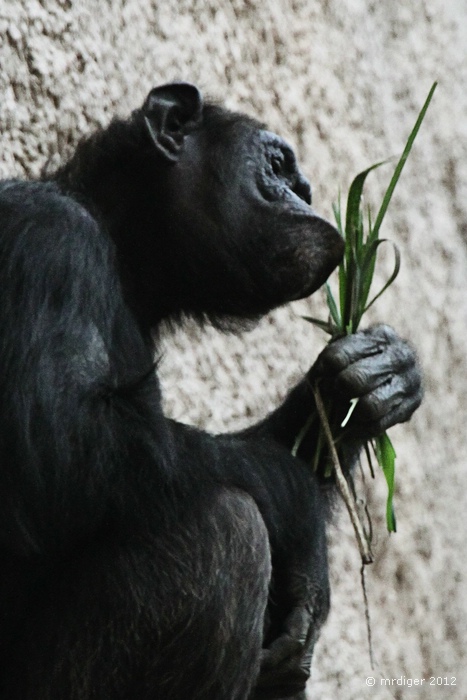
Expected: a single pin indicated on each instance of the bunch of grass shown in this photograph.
(362, 242)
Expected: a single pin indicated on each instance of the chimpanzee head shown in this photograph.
(243, 236)
(209, 211)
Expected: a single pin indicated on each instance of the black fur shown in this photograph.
(136, 552)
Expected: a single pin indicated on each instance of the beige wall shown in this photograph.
(343, 80)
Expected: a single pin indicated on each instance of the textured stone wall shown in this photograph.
(343, 81)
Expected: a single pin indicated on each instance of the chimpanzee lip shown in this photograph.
(317, 277)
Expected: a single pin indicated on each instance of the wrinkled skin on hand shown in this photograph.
(381, 370)
(377, 367)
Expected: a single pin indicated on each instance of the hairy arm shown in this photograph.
(382, 371)
(71, 354)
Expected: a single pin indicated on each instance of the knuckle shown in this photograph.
(334, 356)
(383, 330)
(371, 408)
(352, 381)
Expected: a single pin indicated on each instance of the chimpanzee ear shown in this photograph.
(170, 112)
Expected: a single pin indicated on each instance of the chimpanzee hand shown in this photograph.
(303, 592)
(378, 368)
(286, 664)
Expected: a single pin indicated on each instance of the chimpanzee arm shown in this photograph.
(291, 504)
(382, 371)
(70, 353)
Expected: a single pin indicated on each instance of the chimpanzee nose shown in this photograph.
(303, 188)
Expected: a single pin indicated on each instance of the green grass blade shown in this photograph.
(355, 296)
(334, 311)
(353, 212)
(368, 263)
(324, 325)
(342, 289)
(386, 456)
(349, 276)
(395, 272)
(336, 208)
(402, 161)
(367, 266)
(347, 297)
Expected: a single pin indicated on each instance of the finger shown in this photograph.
(287, 677)
(399, 413)
(292, 642)
(391, 403)
(283, 682)
(290, 675)
(281, 649)
(345, 351)
(364, 376)
(367, 374)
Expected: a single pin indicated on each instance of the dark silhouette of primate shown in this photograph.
(142, 559)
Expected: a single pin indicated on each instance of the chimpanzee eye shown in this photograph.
(277, 162)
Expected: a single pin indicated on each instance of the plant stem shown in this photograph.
(363, 545)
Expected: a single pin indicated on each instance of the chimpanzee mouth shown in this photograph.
(315, 262)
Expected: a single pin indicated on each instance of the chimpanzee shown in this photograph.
(142, 558)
